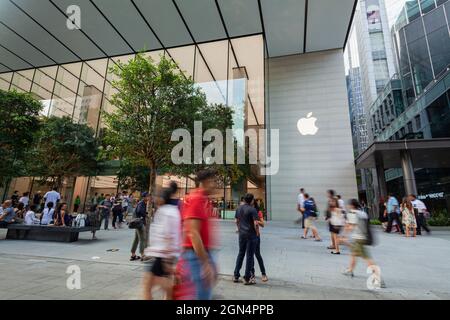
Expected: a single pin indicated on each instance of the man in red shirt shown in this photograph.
(197, 236)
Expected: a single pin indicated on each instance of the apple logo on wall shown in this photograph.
(307, 126)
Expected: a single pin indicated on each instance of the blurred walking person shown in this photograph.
(408, 218)
(300, 202)
(139, 224)
(165, 240)
(331, 198)
(382, 214)
(309, 210)
(358, 226)
(247, 224)
(259, 258)
(337, 222)
(420, 211)
(393, 213)
(105, 206)
(197, 237)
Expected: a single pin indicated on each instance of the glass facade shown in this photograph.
(422, 43)
(423, 49)
(229, 72)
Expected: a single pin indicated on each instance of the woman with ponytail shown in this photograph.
(164, 244)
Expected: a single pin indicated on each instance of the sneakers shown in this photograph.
(249, 282)
(348, 273)
(236, 280)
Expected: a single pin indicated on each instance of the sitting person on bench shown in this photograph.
(30, 217)
(62, 217)
(8, 214)
(47, 214)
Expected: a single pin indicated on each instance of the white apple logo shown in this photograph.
(307, 126)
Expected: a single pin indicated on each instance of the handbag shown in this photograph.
(136, 223)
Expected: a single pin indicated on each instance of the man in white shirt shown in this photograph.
(52, 196)
(419, 211)
(300, 203)
(25, 199)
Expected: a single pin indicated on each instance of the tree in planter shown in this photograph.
(66, 149)
(153, 101)
(19, 123)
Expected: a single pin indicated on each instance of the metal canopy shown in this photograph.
(434, 153)
(35, 33)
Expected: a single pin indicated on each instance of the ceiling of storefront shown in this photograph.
(35, 33)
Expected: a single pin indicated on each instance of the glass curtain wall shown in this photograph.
(229, 72)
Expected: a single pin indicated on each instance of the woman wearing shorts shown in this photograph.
(337, 221)
(165, 244)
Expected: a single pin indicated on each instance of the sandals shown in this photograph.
(303, 237)
(264, 278)
(134, 258)
(333, 252)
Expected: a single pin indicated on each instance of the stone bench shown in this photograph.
(45, 233)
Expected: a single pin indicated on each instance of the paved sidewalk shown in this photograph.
(298, 269)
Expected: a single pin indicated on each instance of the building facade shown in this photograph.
(415, 104)
(370, 63)
(267, 60)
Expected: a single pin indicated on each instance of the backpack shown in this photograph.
(370, 241)
(80, 221)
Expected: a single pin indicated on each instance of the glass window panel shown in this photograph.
(438, 40)
(409, 90)
(412, 9)
(5, 80)
(155, 55)
(73, 68)
(60, 107)
(4, 85)
(427, 5)
(123, 59)
(447, 13)
(22, 80)
(43, 80)
(403, 54)
(250, 54)
(216, 55)
(40, 92)
(439, 2)
(418, 54)
(98, 65)
(91, 77)
(214, 91)
(67, 79)
(184, 58)
(49, 71)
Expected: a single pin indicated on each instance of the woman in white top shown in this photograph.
(337, 221)
(30, 217)
(165, 244)
(47, 214)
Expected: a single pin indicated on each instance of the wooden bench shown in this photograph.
(45, 233)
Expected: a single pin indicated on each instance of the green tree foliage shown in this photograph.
(66, 149)
(152, 101)
(19, 122)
